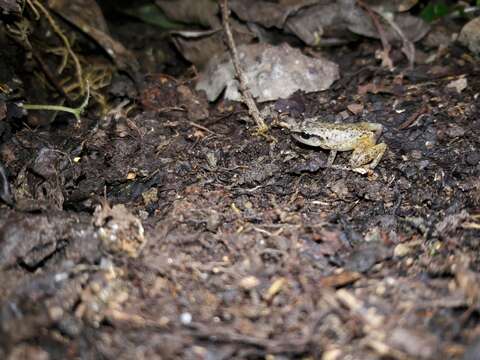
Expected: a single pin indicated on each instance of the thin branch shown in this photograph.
(386, 60)
(407, 46)
(247, 96)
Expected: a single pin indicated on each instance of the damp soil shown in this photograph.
(251, 247)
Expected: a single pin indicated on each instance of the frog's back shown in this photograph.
(359, 127)
(340, 137)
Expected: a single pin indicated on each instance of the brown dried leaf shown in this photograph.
(11, 7)
(88, 17)
(201, 12)
(339, 280)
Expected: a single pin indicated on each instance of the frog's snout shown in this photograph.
(307, 139)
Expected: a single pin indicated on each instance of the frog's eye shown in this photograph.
(305, 136)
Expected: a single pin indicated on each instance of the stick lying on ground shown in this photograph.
(247, 96)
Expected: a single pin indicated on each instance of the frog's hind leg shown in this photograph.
(379, 149)
(367, 156)
(331, 157)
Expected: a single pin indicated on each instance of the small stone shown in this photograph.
(213, 221)
(414, 343)
(55, 313)
(470, 35)
(455, 131)
(380, 290)
(332, 354)
(355, 108)
(459, 85)
(186, 318)
(416, 154)
(374, 235)
(249, 282)
(340, 188)
(344, 115)
(212, 159)
(473, 158)
(402, 250)
(423, 164)
(150, 196)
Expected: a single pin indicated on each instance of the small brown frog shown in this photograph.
(360, 137)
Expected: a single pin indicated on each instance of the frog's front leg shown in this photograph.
(367, 156)
(331, 158)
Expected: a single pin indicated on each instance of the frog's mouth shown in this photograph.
(304, 138)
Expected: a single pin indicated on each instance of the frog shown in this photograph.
(361, 137)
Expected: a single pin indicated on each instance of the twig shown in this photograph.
(407, 46)
(198, 126)
(386, 60)
(247, 96)
(295, 345)
(423, 110)
(53, 81)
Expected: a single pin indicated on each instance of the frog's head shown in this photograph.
(307, 132)
(305, 138)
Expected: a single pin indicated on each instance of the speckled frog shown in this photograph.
(360, 137)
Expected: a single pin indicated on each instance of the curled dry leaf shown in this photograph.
(199, 46)
(266, 13)
(330, 22)
(11, 7)
(201, 12)
(87, 16)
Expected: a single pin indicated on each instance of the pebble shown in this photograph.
(186, 318)
(470, 35)
(402, 250)
(473, 158)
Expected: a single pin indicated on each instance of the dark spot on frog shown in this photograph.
(306, 136)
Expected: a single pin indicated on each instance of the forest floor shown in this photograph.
(232, 245)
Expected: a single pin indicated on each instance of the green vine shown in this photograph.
(77, 112)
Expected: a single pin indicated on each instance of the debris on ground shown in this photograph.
(158, 225)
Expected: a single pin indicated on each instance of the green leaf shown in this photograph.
(436, 11)
(153, 15)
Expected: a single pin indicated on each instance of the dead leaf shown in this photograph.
(200, 12)
(11, 7)
(88, 17)
(199, 47)
(459, 84)
(355, 108)
(268, 14)
(340, 280)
